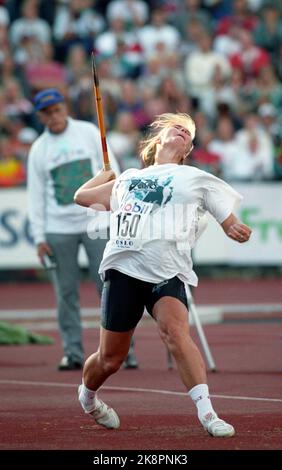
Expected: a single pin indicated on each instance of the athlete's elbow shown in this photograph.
(79, 198)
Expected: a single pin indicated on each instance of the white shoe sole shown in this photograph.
(220, 428)
(103, 414)
(109, 419)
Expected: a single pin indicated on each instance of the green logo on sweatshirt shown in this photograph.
(67, 178)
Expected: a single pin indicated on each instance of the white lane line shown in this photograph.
(53, 326)
(134, 389)
(208, 310)
(209, 314)
(23, 313)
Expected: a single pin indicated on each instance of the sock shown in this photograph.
(201, 398)
(87, 398)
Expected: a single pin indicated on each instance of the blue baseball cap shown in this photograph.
(46, 98)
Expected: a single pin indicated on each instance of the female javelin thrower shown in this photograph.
(147, 262)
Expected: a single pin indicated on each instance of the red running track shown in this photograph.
(39, 408)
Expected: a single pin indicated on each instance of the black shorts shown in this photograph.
(124, 298)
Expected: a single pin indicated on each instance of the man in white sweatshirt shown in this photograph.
(66, 155)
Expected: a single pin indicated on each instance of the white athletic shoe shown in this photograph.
(102, 413)
(216, 427)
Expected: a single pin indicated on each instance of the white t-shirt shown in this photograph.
(155, 220)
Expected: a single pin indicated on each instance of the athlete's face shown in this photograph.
(178, 139)
(54, 117)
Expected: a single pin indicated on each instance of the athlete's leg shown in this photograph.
(98, 367)
(112, 351)
(171, 316)
(172, 319)
(122, 307)
(95, 249)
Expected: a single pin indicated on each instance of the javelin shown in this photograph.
(100, 114)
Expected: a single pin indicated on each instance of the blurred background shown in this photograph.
(219, 60)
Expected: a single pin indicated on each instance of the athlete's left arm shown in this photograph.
(235, 229)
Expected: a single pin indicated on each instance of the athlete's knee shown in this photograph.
(174, 334)
(110, 363)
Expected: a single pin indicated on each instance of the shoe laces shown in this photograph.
(100, 410)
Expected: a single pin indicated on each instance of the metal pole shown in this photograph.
(200, 331)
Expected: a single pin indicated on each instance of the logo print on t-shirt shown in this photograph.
(151, 190)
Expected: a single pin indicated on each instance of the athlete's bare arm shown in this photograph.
(235, 229)
(96, 191)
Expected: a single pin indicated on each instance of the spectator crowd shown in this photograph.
(218, 60)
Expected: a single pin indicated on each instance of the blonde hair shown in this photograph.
(163, 121)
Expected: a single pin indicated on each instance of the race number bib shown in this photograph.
(127, 225)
